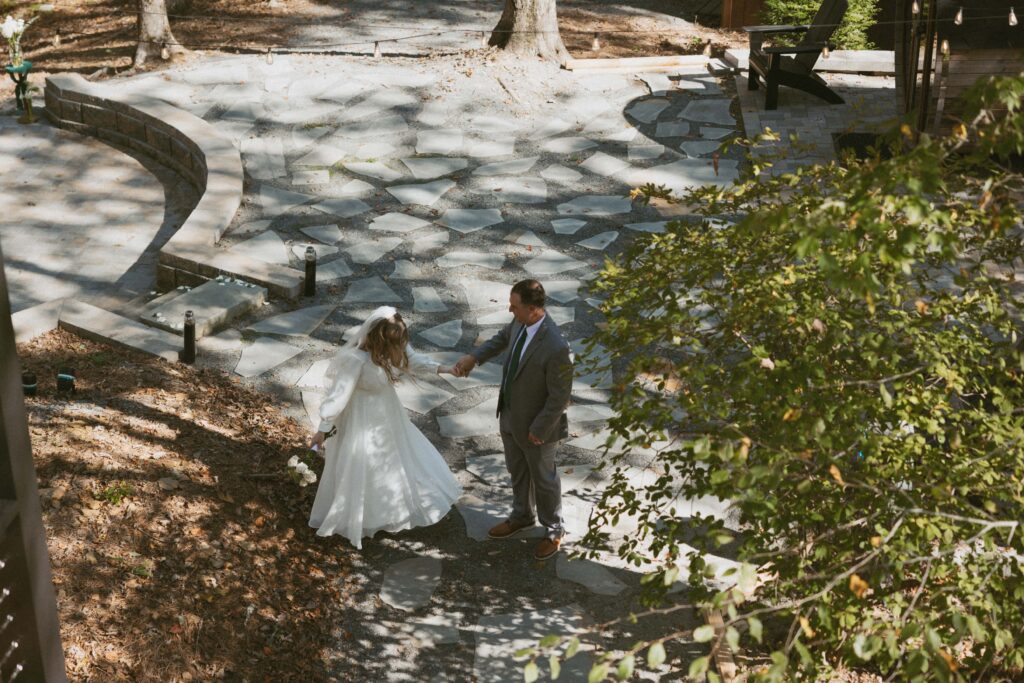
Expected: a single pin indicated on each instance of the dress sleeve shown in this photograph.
(346, 370)
(420, 363)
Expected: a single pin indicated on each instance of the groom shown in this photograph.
(536, 382)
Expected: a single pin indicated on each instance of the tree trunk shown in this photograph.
(529, 28)
(155, 32)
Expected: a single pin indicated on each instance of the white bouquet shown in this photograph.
(12, 29)
(300, 471)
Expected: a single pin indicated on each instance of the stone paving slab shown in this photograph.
(500, 636)
(345, 207)
(267, 247)
(434, 167)
(557, 173)
(215, 304)
(425, 194)
(490, 469)
(263, 355)
(328, 234)
(596, 205)
(295, 323)
(365, 249)
(397, 222)
(371, 289)
(478, 421)
(512, 189)
(446, 335)
(590, 574)
(409, 584)
(421, 397)
(470, 220)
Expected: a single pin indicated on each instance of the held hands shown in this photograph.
(317, 440)
(464, 366)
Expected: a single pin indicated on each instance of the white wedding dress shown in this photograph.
(381, 473)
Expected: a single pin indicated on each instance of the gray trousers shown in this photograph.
(536, 487)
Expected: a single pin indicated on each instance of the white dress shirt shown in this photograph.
(530, 332)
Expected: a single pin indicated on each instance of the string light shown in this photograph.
(56, 38)
(376, 51)
(1013, 18)
(165, 54)
(270, 56)
(596, 45)
(915, 8)
(945, 46)
(483, 39)
(959, 18)
(825, 52)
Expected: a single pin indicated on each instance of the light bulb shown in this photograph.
(270, 56)
(596, 45)
(376, 51)
(959, 18)
(165, 54)
(56, 38)
(825, 52)
(1013, 18)
(707, 49)
(483, 39)
(915, 8)
(945, 46)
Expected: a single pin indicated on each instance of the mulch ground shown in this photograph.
(180, 546)
(87, 36)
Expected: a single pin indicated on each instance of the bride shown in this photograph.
(381, 473)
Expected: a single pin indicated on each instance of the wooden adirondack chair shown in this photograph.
(794, 66)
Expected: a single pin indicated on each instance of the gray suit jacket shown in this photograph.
(542, 386)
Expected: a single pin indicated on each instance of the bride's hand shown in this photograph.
(445, 370)
(317, 440)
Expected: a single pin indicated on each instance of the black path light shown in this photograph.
(66, 380)
(310, 283)
(29, 386)
(188, 353)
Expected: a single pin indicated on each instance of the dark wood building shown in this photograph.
(945, 47)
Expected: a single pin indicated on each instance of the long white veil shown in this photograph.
(345, 355)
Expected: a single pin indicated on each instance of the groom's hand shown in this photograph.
(465, 366)
(534, 440)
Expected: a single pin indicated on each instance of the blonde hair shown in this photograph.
(386, 344)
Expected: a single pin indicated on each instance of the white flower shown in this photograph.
(302, 468)
(309, 477)
(303, 482)
(293, 461)
(10, 27)
(767, 364)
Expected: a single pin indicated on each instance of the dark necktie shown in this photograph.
(510, 369)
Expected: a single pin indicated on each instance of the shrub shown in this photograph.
(845, 364)
(852, 34)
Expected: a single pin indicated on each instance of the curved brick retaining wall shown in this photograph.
(190, 146)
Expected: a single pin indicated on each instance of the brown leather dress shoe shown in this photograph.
(547, 548)
(508, 527)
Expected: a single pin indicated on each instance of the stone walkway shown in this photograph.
(59, 240)
(807, 126)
